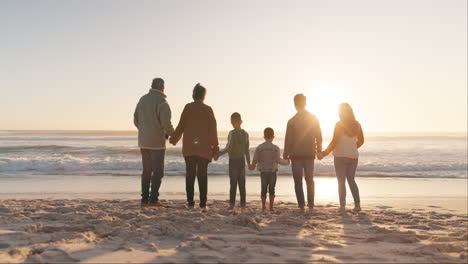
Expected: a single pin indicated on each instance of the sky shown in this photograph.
(83, 65)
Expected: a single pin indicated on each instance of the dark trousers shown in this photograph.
(196, 167)
(304, 168)
(268, 184)
(153, 172)
(237, 177)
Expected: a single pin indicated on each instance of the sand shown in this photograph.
(100, 230)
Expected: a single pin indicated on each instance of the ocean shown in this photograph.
(108, 153)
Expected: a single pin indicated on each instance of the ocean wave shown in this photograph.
(59, 149)
(69, 164)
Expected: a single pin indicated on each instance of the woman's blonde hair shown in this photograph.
(348, 121)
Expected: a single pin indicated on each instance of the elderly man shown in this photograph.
(152, 117)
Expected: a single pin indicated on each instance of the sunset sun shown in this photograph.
(323, 102)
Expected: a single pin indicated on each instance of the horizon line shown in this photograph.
(135, 131)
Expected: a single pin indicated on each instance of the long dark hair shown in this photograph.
(348, 120)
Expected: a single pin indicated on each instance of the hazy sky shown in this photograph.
(84, 64)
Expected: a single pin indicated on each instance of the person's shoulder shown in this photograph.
(146, 95)
(205, 106)
(311, 116)
(291, 120)
(262, 146)
(189, 105)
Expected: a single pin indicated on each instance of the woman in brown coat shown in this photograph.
(200, 143)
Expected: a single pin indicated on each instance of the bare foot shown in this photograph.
(243, 208)
(263, 208)
(357, 209)
(311, 209)
(231, 207)
(271, 209)
(301, 209)
(342, 208)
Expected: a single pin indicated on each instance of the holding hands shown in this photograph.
(321, 155)
(252, 167)
(172, 140)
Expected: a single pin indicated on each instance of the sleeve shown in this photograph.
(135, 116)
(228, 145)
(213, 136)
(180, 128)
(318, 136)
(165, 118)
(288, 140)
(247, 148)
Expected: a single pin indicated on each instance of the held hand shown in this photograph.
(320, 155)
(215, 156)
(171, 140)
(251, 167)
(285, 156)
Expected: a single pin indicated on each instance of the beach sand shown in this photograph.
(119, 230)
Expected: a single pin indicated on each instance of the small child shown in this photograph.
(238, 149)
(267, 155)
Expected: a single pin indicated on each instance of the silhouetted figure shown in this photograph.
(303, 139)
(238, 149)
(267, 155)
(200, 143)
(347, 138)
(152, 117)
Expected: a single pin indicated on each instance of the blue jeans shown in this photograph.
(153, 172)
(237, 177)
(300, 168)
(346, 169)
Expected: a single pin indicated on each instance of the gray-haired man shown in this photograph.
(152, 117)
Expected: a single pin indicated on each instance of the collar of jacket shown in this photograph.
(158, 91)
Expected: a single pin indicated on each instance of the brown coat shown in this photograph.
(198, 126)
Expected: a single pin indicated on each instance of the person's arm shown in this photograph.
(254, 160)
(360, 137)
(247, 146)
(213, 133)
(228, 145)
(135, 116)
(175, 137)
(165, 118)
(332, 145)
(318, 136)
(280, 160)
(287, 141)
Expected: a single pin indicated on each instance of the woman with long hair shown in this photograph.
(200, 144)
(347, 139)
